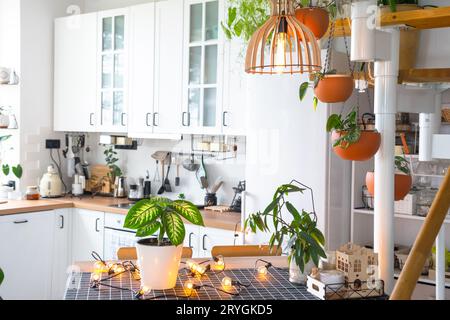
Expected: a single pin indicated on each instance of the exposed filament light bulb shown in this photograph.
(282, 45)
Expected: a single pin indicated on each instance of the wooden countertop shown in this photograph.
(227, 221)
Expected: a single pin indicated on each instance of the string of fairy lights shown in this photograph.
(196, 270)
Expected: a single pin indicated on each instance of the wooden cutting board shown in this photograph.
(220, 209)
(99, 175)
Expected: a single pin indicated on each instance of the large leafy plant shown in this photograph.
(348, 128)
(150, 215)
(306, 241)
(2, 277)
(393, 3)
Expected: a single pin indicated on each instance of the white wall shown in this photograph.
(36, 41)
(136, 163)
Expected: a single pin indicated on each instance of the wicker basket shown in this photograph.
(446, 114)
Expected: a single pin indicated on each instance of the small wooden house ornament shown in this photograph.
(353, 261)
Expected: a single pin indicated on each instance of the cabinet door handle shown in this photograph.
(147, 119)
(224, 119)
(189, 119)
(203, 244)
(183, 118)
(156, 119)
(62, 222)
(190, 239)
(90, 119)
(122, 122)
(96, 225)
(21, 222)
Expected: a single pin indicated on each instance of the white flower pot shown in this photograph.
(4, 121)
(296, 275)
(158, 264)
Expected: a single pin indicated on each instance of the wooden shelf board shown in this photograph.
(397, 215)
(430, 18)
(421, 19)
(438, 75)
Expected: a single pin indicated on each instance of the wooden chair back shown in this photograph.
(130, 253)
(245, 251)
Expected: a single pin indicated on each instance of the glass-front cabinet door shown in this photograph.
(113, 57)
(203, 56)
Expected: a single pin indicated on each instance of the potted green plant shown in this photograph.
(305, 241)
(349, 141)
(402, 182)
(159, 258)
(111, 160)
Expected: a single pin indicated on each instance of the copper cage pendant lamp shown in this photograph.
(283, 45)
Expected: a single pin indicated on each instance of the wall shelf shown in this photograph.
(397, 215)
(440, 75)
(421, 19)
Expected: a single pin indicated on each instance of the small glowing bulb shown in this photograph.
(95, 276)
(200, 269)
(262, 270)
(145, 290)
(190, 264)
(99, 266)
(227, 282)
(189, 285)
(280, 52)
(219, 263)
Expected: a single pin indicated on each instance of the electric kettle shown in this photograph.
(51, 185)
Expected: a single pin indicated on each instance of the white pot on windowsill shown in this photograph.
(158, 264)
(4, 121)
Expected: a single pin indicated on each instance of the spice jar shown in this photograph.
(32, 193)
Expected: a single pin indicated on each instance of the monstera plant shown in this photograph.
(159, 257)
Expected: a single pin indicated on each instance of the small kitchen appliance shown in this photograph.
(51, 184)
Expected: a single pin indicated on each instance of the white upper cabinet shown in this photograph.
(112, 75)
(142, 69)
(203, 54)
(156, 65)
(75, 83)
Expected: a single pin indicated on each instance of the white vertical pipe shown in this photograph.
(440, 264)
(386, 77)
(429, 124)
(363, 33)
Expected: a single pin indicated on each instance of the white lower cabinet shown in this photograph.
(26, 255)
(201, 240)
(88, 234)
(61, 250)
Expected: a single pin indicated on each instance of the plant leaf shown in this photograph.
(315, 102)
(302, 90)
(18, 171)
(188, 211)
(174, 228)
(142, 213)
(293, 211)
(5, 169)
(2, 276)
(4, 138)
(148, 230)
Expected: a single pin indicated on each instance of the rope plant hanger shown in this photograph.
(283, 45)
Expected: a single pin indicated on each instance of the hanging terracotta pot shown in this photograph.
(363, 150)
(334, 88)
(316, 19)
(403, 184)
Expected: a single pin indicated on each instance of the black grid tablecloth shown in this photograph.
(273, 286)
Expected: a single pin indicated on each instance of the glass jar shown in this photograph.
(210, 200)
(32, 193)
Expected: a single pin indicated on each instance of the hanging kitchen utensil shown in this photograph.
(167, 186)
(190, 164)
(162, 189)
(201, 172)
(156, 177)
(177, 179)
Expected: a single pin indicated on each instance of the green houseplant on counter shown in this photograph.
(159, 258)
(305, 241)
